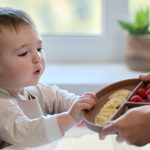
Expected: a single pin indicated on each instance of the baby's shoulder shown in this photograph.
(42, 89)
(7, 102)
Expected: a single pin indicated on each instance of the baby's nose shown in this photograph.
(36, 58)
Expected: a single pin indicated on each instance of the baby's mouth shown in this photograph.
(37, 71)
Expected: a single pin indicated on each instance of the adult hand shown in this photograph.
(132, 127)
(145, 77)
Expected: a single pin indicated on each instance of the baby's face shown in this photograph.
(22, 59)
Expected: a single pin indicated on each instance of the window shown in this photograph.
(99, 35)
(62, 17)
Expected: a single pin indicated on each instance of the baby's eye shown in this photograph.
(23, 54)
(39, 49)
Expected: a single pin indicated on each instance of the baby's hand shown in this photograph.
(145, 77)
(85, 102)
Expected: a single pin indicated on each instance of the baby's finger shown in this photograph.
(88, 100)
(93, 95)
(86, 106)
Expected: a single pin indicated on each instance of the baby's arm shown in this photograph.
(18, 129)
(68, 119)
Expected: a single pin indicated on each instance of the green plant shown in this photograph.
(140, 24)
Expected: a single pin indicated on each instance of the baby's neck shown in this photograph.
(15, 91)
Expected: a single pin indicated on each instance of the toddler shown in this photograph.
(32, 114)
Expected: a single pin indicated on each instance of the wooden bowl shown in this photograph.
(102, 97)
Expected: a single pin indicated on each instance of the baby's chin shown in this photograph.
(33, 83)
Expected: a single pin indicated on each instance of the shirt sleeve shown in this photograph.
(17, 129)
(56, 100)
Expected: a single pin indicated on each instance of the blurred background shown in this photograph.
(85, 50)
(71, 29)
(83, 43)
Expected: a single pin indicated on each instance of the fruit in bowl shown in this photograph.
(116, 99)
(142, 94)
(110, 104)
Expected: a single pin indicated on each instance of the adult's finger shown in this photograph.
(119, 138)
(145, 77)
(109, 129)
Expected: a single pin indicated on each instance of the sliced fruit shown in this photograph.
(136, 98)
(100, 120)
(117, 101)
(120, 93)
(107, 110)
(147, 92)
(110, 105)
(148, 86)
(141, 92)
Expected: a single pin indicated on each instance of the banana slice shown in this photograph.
(118, 97)
(110, 105)
(107, 115)
(100, 120)
(120, 93)
(107, 110)
(115, 101)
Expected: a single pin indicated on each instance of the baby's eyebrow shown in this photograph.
(22, 46)
(25, 45)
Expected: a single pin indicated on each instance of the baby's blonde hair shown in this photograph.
(13, 19)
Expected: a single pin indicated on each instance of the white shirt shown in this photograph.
(31, 122)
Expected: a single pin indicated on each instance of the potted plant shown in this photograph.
(137, 47)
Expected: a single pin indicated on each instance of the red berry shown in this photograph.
(148, 86)
(136, 98)
(141, 92)
(148, 98)
(147, 92)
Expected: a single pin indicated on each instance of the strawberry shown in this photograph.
(148, 98)
(147, 92)
(141, 92)
(148, 86)
(136, 98)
